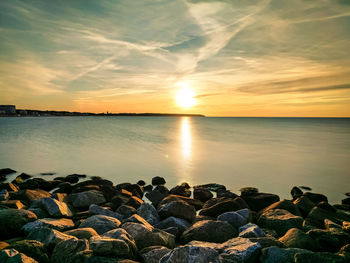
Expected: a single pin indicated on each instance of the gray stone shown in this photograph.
(149, 213)
(66, 250)
(279, 255)
(251, 230)
(13, 256)
(87, 198)
(179, 209)
(329, 240)
(31, 248)
(62, 224)
(319, 257)
(109, 246)
(99, 210)
(82, 233)
(180, 224)
(49, 237)
(100, 223)
(56, 208)
(191, 254)
(240, 250)
(233, 218)
(135, 218)
(121, 234)
(297, 239)
(154, 254)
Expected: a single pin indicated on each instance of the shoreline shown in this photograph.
(79, 219)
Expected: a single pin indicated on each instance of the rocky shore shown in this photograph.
(78, 219)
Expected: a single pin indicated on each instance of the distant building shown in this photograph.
(8, 109)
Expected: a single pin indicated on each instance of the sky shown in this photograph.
(237, 57)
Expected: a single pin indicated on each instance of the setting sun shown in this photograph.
(185, 97)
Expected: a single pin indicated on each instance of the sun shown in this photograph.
(185, 97)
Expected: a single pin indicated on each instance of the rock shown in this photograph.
(324, 205)
(39, 183)
(40, 213)
(222, 205)
(109, 246)
(134, 201)
(56, 208)
(99, 210)
(248, 190)
(295, 238)
(16, 204)
(158, 180)
(101, 223)
(141, 182)
(148, 188)
(13, 256)
(64, 187)
(233, 218)
(267, 242)
(7, 171)
(12, 220)
(31, 248)
(296, 192)
(9, 187)
(180, 190)
(84, 188)
(66, 250)
(82, 233)
(87, 198)
(328, 224)
(191, 254)
(155, 196)
(323, 257)
(3, 245)
(279, 255)
(149, 213)
(279, 220)
(49, 237)
(317, 216)
(329, 240)
(346, 201)
(61, 224)
(202, 194)
(193, 202)
(179, 209)
(286, 205)
(180, 224)
(137, 219)
(316, 198)
(250, 230)
(240, 250)
(72, 178)
(211, 187)
(135, 189)
(346, 226)
(209, 231)
(304, 205)
(28, 196)
(119, 200)
(259, 201)
(154, 254)
(225, 193)
(121, 234)
(126, 210)
(146, 236)
(4, 194)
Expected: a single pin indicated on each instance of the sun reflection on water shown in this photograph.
(186, 139)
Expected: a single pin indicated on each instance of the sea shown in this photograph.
(271, 154)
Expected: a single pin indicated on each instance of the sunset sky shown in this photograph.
(235, 58)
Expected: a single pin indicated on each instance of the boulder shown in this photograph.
(191, 254)
(286, 205)
(259, 201)
(217, 206)
(82, 233)
(155, 196)
(279, 220)
(319, 257)
(211, 187)
(137, 219)
(233, 218)
(317, 216)
(149, 213)
(141, 182)
(158, 180)
(154, 254)
(180, 190)
(87, 198)
(267, 242)
(304, 205)
(56, 208)
(6, 171)
(40, 213)
(329, 240)
(296, 192)
(16, 204)
(28, 196)
(316, 198)
(279, 255)
(126, 211)
(120, 233)
(110, 246)
(66, 250)
(134, 201)
(202, 194)
(101, 223)
(193, 202)
(209, 231)
(295, 238)
(12, 220)
(31, 248)
(13, 256)
(250, 230)
(179, 209)
(99, 210)
(9, 187)
(49, 237)
(61, 224)
(239, 250)
(180, 224)
(3, 245)
(4, 194)
(146, 236)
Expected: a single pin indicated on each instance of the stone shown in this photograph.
(180, 190)
(64, 187)
(148, 188)
(317, 216)
(209, 231)
(248, 191)
(135, 218)
(155, 196)
(109, 246)
(154, 254)
(49, 237)
(135, 189)
(240, 250)
(158, 180)
(279, 255)
(250, 230)
(9, 187)
(39, 183)
(87, 198)
(119, 200)
(146, 236)
(134, 201)
(121, 234)
(267, 242)
(7, 171)
(3, 245)
(13, 256)
(31, 248)
(296, 192)
(346, 201)
(28, 196)
(179, 209)
(295, 238)
(72, 178)
(233, 218)
(4, 194)
(318, 257)
(60, 224)
(141, 182)
(202, 194)
(16, 204)
(259, 201)
(99, 210)
(245, 213)
(180, 224)
(191, 254)
(100, 223)
(66, 250)
(40, 213)
(279, 220)
(346, 226)
(286, 205)
(329, 240)
(304, 205)
(316, 198)
(126, 210)
(328, 224)
(149, 213)
(193, 202)
(12, 220)
(211, 187)
(222, 205)
(56, 208)
(82, 233)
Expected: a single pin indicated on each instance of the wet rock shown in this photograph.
(259, 201)
(158, 180)
(49, 237)
(126, 210)
(146, 236)
(317, 216)
(179, 209)
(87, 198)
(4, 194)
(39, 183)
(72, 178)
(134, 201)
(56, 208)
(31, 248)
(13, 256)
(248, 191)
(64, 187)
(304, 205)
(329, 240)
(82, 233)
(279, 220)
(180, 190)
(296, 192)
(40, 213)
(99, 210)
(7, 171)
(149, 213)
(9, 187)
(61, 224)
(85, 188)
(217, 206)
(191, 254)
(233, 218)
(286, 205)
(267, 242)
(318, 257)
(148, 188)
(66, 250)
(202, 194)
(225, 193)
(154, 254)
(250, 230)
(29, 196)
(119, 200)
(279, 255)
(346, 201)
(109, 246)
(155, 196)
(135, 218)
(179, 224)
(240, 250)
(193, 202)
(295, 238)
(316, 198)
(141, 182)
(209, 231)
(211, 187)
(12, 220)
(101, 223)
(16, 204)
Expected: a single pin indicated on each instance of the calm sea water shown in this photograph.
(272, 154)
